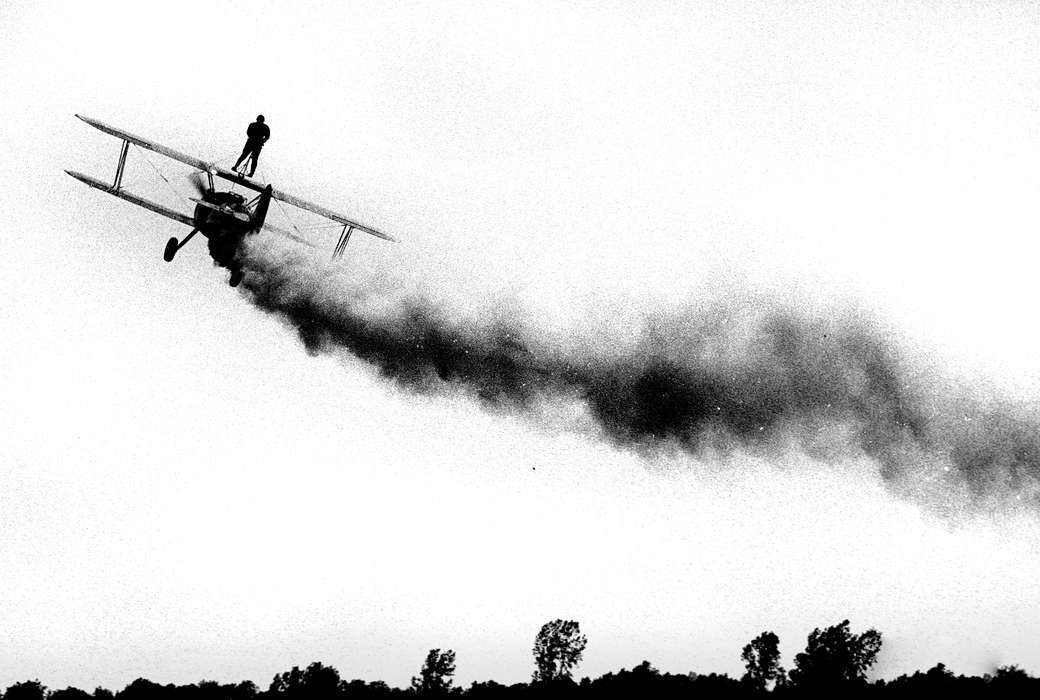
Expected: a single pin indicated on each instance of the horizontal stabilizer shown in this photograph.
(133, 198)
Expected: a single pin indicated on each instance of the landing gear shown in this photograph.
(173, 245)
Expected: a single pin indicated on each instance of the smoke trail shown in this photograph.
(747, 375)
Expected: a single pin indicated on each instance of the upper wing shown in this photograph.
(328, 214)
(145, 143)
(235, 177)
(295, 201)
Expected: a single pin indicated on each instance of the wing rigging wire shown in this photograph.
(159, 173)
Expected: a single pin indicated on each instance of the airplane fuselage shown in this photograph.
(225, 220)
(222, 213)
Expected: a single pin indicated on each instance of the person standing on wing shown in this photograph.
(257, 134)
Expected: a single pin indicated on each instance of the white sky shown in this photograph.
(186, 494)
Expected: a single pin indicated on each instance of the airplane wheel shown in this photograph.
(236, 277)
(171, 250)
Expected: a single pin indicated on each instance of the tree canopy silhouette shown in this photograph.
(26, 690)
(69, 694)
(435, 677)
(143, 689)
(316, 682)
(557, 650)
(761, 658)
(835, 656)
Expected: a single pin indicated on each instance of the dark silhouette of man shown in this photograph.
(257, 135)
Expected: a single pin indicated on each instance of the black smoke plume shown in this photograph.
(748, 376)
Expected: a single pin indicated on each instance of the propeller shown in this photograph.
(200, 184)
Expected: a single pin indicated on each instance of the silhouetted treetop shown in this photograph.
(26, 690)
(69, 694)
(316, 681)
(557, 650)
(835, 656)
(761, 658)
(435, 677)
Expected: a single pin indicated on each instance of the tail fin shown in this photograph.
(260, 213)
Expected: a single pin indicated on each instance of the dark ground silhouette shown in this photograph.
(833, 665)
(642, 681)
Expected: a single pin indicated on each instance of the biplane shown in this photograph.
(223, 217)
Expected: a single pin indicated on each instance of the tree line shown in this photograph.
(834, 663)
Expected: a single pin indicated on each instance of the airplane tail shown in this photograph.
(260, 213)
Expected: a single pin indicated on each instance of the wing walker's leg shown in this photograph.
(122, 164)
(343, 239)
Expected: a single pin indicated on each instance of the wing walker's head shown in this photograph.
(260, 118)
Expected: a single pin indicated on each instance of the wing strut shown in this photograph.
(343, 239)
(122, 164)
